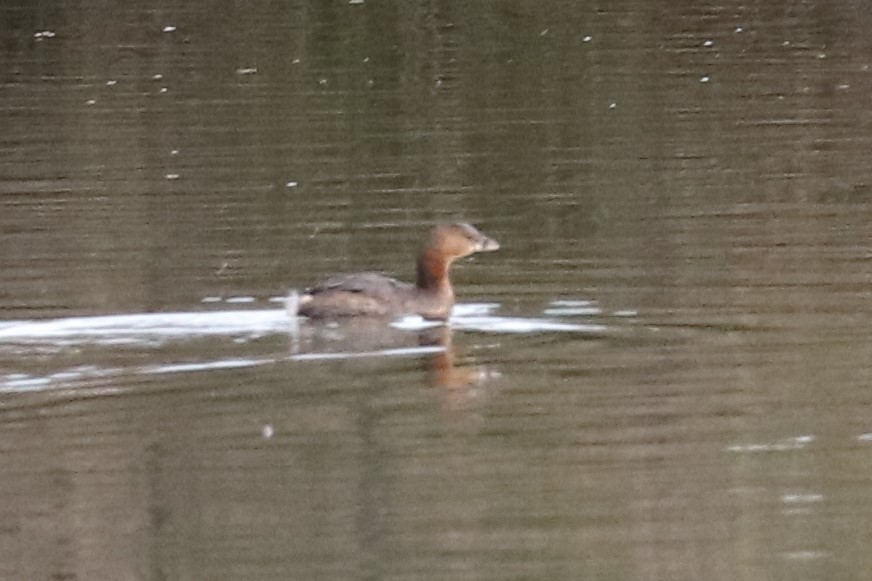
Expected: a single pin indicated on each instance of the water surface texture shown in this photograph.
(664, 373)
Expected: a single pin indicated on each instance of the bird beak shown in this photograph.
(487, 245)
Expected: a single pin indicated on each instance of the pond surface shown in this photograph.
(664, 373)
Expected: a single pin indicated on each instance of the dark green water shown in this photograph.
(672, 382)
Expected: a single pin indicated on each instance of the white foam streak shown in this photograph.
(148, 328)
(21, 340)
(121, 329)
(522, 325)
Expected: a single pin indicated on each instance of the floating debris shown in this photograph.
(625, 313)
(572, 307)
(169, 28)
(172, 176)
(572, 311)
(43, 34)
(572, 303)
(784, 445)
(239, 300)
(801, 498)
(247, 71)
(805, 555)
(587, 39)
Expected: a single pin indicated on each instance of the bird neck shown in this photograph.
(433, 272)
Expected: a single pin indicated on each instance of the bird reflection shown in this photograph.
(368, 337)
(442, 367)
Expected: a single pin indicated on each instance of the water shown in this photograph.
(662, 374)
